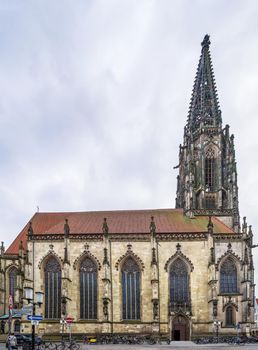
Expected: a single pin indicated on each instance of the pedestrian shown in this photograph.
(12, 341)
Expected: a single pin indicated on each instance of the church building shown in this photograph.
(179, 272)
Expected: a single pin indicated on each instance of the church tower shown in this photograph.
(207, 180)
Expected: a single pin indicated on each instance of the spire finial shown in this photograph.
(152, 226)
(66, 228)
(206, 41)
(105, 227)
(21, 245)
(210, 225)
(2, 249)
(30, 229)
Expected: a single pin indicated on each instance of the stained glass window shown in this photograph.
(13, 272)
(88, 289)
(228, 277)
(52, 288)
(179, 292)
(229, 316)
(131, 290)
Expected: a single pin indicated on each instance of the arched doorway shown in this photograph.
(180, 328)
(17, 326)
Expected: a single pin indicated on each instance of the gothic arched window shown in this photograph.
(52, 288)
(179, 282)
(131, 290)
(13, 273)
(228, 277)
(230, 319)
(88, 289)
(210, 170)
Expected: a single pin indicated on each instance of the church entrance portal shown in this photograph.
(180, 328)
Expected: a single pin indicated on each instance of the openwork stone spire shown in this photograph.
(204, 106)
(207, 180)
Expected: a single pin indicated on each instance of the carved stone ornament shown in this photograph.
(152, 227)
(48, 255)
(105, 227)
(226, 255)
(155, 309)
(83, 255)
(30, 229)
(130, 253)
(179, 254)
(212, 255)
(105, 308)
(230, 303)
(182, 236)
(154, 259)
(105, 260)
(87, 264)
(66, 229)
(12, 265)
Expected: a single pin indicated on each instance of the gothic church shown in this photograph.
(170, 271)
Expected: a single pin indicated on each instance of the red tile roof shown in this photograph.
(119, 221)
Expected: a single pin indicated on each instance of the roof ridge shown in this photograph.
(106, 211)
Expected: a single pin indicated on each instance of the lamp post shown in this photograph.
(10, 308)
(217, 325)
(39, 300)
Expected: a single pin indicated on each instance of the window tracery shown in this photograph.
(13, 274)
(52, 288)
(131, 289)
(228, 277)
(179, 282)
(88, 289)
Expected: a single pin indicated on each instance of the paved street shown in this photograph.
(173, 345)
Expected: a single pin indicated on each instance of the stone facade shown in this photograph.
(203, 256)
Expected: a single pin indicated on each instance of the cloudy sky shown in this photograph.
(94, 97)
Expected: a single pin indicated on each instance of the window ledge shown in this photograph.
(230, 294)
(50, 320)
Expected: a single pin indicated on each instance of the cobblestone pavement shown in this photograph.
(173, 345)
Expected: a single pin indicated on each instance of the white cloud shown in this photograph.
(94, 97)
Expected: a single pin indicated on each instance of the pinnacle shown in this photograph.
(206, 41)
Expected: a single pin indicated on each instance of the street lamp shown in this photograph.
(39, 301)
(217, 325)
